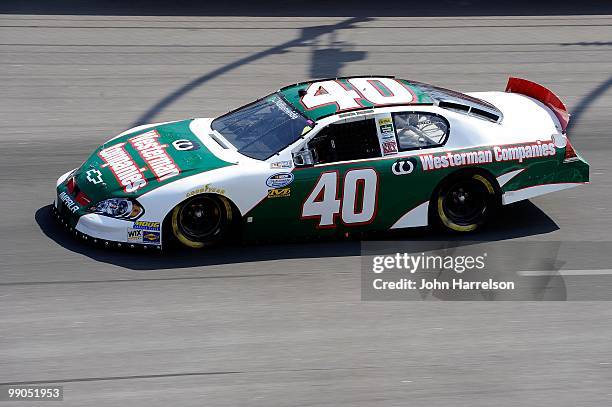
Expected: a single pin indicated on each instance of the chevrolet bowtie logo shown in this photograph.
(94, 176)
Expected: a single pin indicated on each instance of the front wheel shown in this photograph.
(201, 221)
(464, 203)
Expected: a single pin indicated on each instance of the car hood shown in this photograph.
(140, 161)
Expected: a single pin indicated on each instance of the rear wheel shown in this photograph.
(464, 203)
(201, 221)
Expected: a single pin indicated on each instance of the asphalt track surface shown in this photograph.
(281, 324)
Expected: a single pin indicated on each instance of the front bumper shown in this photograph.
(85, 231)
(98, 229)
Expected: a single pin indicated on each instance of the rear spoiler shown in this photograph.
(539, 92)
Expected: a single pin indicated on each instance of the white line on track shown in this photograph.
(593, 272)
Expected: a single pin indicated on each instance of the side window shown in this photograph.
(345, 141)
(416, 130)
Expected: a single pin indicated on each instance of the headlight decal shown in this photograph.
(119, 208)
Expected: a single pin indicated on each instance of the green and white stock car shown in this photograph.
(321, 158)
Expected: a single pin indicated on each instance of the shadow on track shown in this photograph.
(308, 35)
(586, 101)
(527, 220)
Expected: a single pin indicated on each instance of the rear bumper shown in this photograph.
(535, 190)
(568, 174)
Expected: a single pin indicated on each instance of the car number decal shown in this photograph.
(356, 206)
(378, 91)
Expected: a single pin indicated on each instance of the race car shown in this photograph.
(323, 158)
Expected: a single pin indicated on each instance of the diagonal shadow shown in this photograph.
(587, 101)
(308, 34)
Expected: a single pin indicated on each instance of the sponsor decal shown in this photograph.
(206, 189)
(281, 164)
(185, 145)
(94, 176)
(279, 193)
(123, 167)
(146, 225)
(143, 236)
(436, 162)
(519, 153)
(154, 154)
(284, 108)
(280, 180)
(498, 154)
(149, 237)
(70, 204)
(385, 126)
(389, 147)
(134, 235)
(402, 167)
(358, 113)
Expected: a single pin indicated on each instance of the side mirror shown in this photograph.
(304, 158)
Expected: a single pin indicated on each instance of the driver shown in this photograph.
(408, 132)
(415, 130)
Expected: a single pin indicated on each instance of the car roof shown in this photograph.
(294, 93)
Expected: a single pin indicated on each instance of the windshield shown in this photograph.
(263, 128)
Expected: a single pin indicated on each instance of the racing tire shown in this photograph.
(201, 221)
(464, 203)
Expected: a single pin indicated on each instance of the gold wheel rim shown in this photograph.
(452, 225)
(184, 239)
